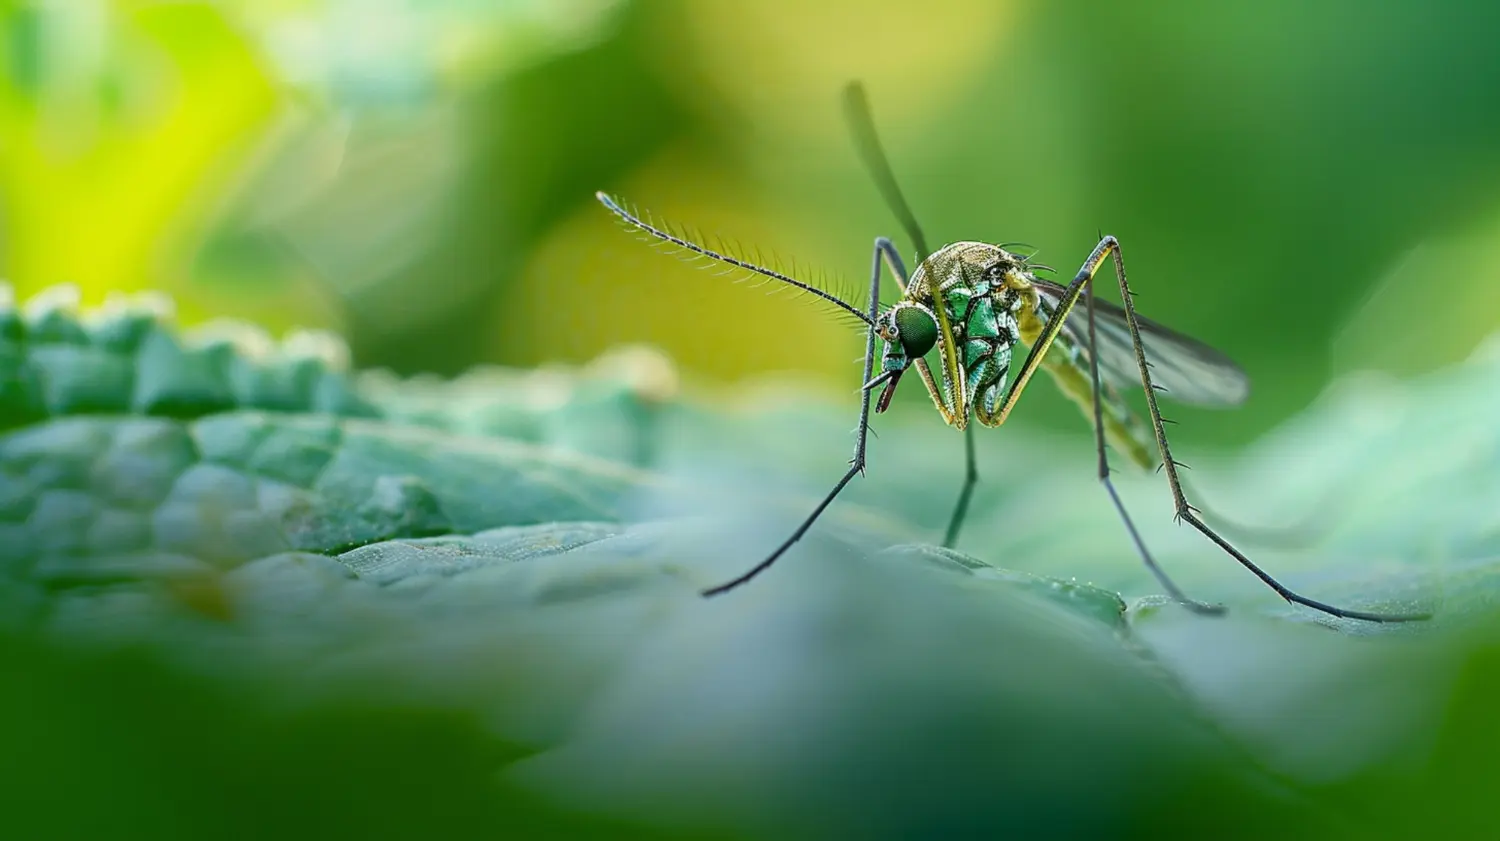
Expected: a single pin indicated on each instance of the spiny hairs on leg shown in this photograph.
(1184, 510)
(1096, 385)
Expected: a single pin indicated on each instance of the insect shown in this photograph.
(972, 303)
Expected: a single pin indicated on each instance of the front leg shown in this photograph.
(884, 252)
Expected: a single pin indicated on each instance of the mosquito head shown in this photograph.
(909, 331)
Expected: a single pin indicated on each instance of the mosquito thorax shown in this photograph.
(978, 267)
(981, 290)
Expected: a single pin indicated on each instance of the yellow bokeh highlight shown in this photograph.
(781, 63)
(778, 67)
(101, 190)
(593, 283)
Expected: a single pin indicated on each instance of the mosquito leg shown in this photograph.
(883, 251)
(862, 126)
(1104, 471)
(971, 461)
(971, 477)
(1111, 247)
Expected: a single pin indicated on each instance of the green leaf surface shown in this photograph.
(125, 359)
(496, 579)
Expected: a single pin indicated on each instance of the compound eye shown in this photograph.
(918, 331)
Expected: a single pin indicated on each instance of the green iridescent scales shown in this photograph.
(985, 333)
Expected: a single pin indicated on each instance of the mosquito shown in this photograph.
(972, 302)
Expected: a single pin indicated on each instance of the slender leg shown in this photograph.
(1109, 485)
(1084, 281)
(886, 250)
(883, 251)
(971, 477)
(1109, 246)
(862, 127)
(971, 461)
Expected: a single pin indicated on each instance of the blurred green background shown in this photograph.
(1311, 188)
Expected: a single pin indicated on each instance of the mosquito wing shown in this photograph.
(1189, 370)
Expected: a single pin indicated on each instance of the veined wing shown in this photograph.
(1189, 370)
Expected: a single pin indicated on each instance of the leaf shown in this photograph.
(588, 645)
(415, 553)
(123, 358)
(170, 756)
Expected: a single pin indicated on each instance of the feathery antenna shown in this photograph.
(685, 243)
